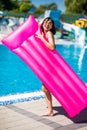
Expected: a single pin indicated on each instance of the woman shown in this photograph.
(48, 30)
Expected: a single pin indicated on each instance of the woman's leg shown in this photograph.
(48, 100)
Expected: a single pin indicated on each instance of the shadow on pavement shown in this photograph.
(81, 118)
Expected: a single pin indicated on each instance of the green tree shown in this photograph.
(24, 1)
(42, 8)
(52, 6)
(7, 5)
(76, 6)
(25, 7)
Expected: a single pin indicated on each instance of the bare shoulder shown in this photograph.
(49, 34)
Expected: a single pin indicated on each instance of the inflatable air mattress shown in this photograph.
(49, 66)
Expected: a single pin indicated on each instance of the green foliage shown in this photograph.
(25, 7)
(48, 6)
(52, 6)
(42, 8)
(7, 5)
(39, 11)
(76, 6)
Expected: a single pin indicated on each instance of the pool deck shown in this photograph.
(27, 116)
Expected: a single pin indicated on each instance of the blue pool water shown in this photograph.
(15, 75)
(17, 78)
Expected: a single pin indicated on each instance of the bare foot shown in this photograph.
(48, 114)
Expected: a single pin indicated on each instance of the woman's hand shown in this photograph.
(41, 36)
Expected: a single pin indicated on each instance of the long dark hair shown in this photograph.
(53, 30)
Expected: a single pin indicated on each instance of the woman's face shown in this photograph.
(47, 25)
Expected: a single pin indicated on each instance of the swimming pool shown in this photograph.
(16, 78)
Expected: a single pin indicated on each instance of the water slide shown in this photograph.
(78, 32)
